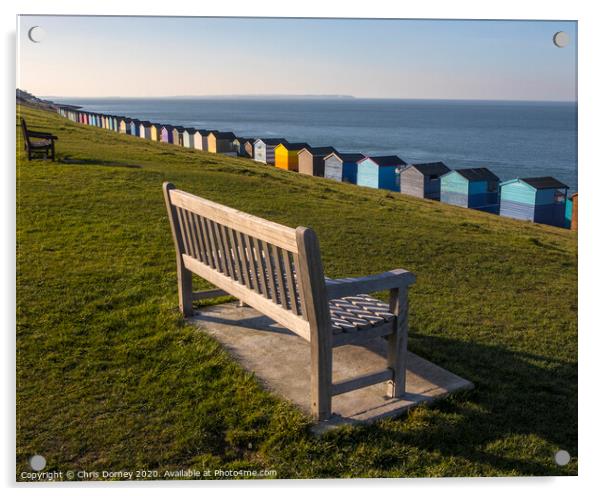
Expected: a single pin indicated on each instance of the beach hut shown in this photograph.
(471, 188)
(116, 123)
(538, 199)
(145, 130)
(342, 166)
(380, 172)
(286, 155)
(263, 149)
(423, 180)
(221, 142)
(135, 127)
(200, 139)
(568, 212)
(125, 126)
(188, 137)
(241, 146)
(177, 135)
(250, 148)
(311, 160)
(166, 133)
(574, 212)
(155, 131)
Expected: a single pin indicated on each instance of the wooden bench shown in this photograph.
(43, 144)
(278, 271)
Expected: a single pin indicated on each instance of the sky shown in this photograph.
(185, 56)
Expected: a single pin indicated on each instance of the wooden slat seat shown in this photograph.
(278, 271)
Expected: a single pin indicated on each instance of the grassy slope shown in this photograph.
(109, 377)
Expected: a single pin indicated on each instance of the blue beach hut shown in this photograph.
(380, 172)
(342, 166)
(134, 127)
(471, 188)
(538, 199)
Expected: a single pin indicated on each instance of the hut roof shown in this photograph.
(295, 146)
(190, 130)
(477, 174)
(169, 127)
(321, 151)
(180, 129)
(145, 123)
(386, 160)
(432, 168)
(272, 141)
(202, 132)
(546, 182)
(223, 134)
(348, 157)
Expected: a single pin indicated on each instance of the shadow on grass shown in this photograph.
(519, 399)
(92, 161)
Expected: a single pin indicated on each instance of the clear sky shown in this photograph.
(147, 57)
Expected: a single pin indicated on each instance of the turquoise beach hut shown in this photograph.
(380, 172)
(537, 199)
(471, 188)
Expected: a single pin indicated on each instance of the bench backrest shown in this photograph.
(273, 268)
(25, 133)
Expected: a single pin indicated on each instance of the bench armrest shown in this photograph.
(36, 134)
(396, 278)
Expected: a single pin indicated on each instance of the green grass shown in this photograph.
(109, 377)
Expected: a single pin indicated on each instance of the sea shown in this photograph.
(511, 138)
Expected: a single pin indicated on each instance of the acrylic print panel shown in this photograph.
(434, 161)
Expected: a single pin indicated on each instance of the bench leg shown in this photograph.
(321, 380)
(185, 290)
(397, 349)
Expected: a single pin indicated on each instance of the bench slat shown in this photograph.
(243, 259)
(279, 278)
(221, 248)
(207, 242)
(235, 255)
(270, 275)
(194, 243)
(180, 215)
(261, 268)
(199, 236)
(276, 234)
(290, 282)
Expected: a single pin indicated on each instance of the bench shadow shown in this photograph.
(516, 395)
(92, 161)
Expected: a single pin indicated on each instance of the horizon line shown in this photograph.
(304, 96)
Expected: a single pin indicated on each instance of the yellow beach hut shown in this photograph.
(155, 132)
(286, 155)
